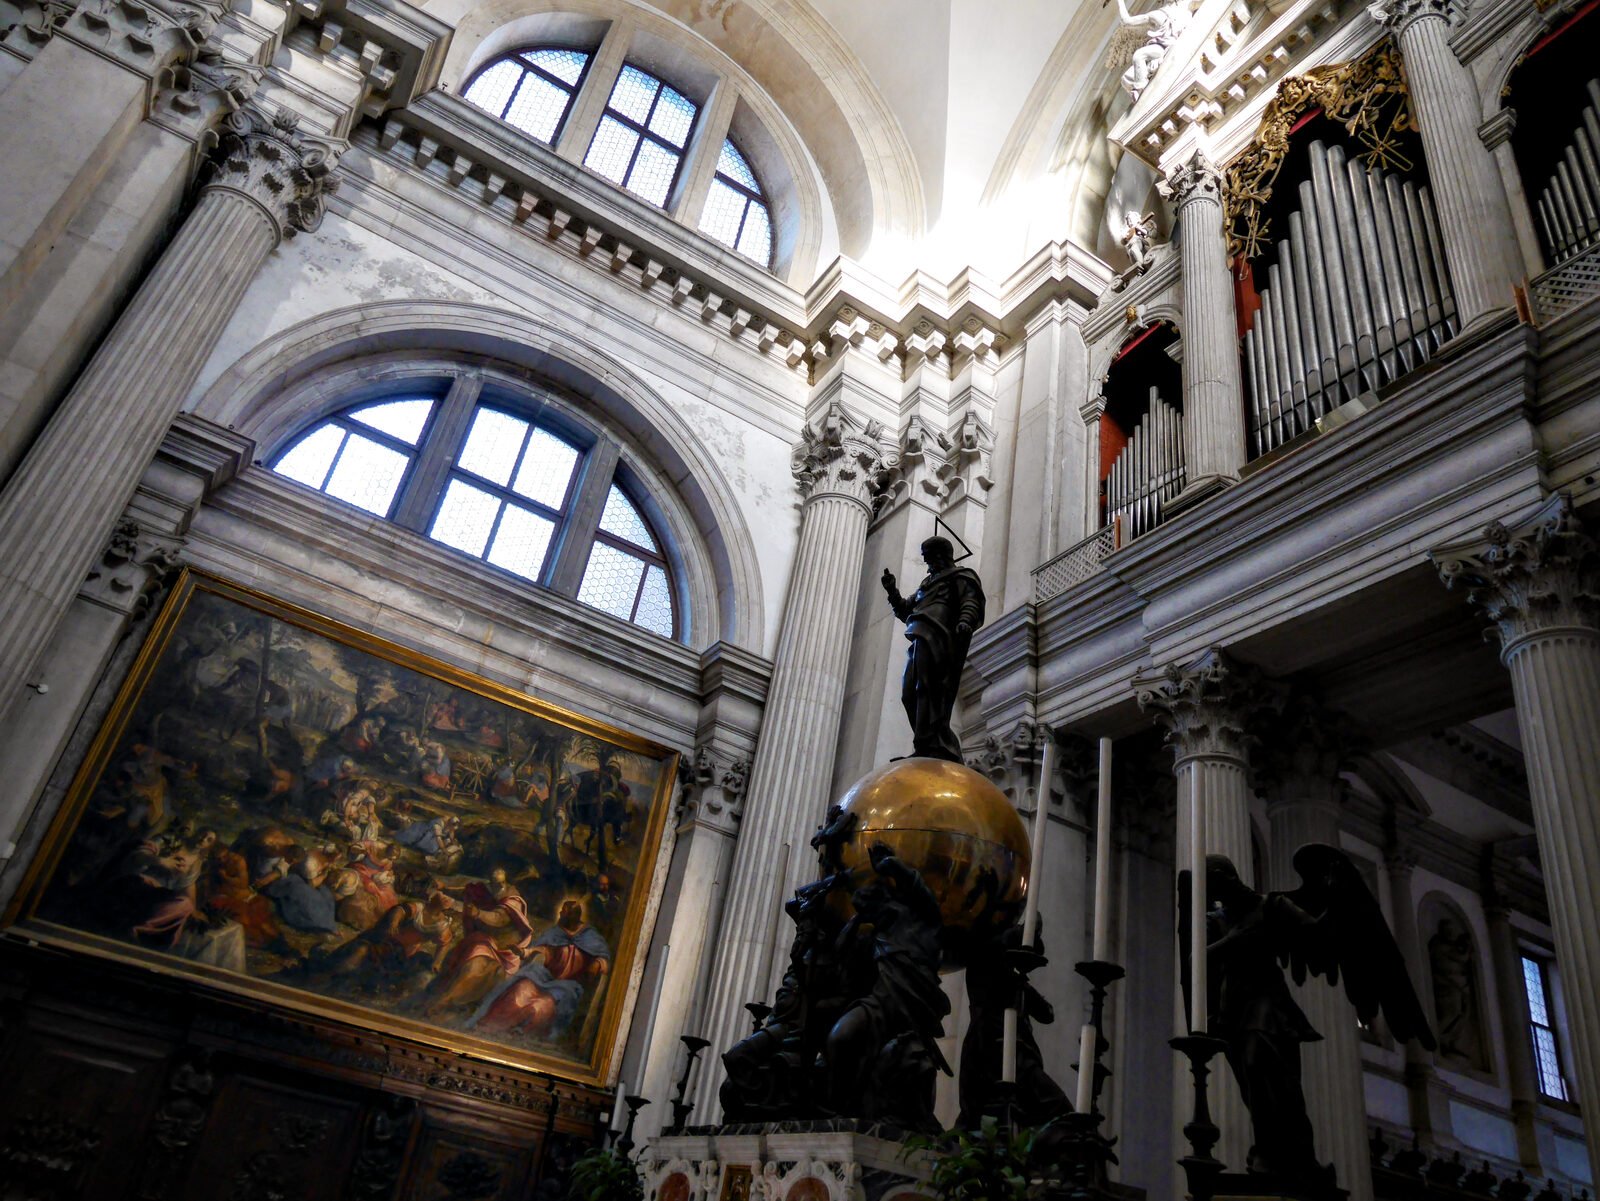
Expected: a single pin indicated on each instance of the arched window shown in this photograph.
(642, 135)
(531, 89)
(736, 210)
(501, 478)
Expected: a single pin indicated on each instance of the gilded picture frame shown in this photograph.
(287, 808)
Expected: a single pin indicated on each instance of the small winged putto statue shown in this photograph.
(1330, 926)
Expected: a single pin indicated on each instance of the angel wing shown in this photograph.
(1127, 39)
(1349, 937)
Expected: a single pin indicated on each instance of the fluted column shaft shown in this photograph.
(1474, 217)
(1308, 811)
(1540, 585)
(792, 773)
(1207, 708)
(1213, 392)
(58, 509)
(1514, 1021)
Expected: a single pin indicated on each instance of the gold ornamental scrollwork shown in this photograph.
(1366, 95)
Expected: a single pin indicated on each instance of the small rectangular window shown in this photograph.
(1541, 1025)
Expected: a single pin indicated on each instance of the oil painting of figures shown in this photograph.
(277, 798)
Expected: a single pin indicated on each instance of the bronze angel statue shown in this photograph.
(1330, 926)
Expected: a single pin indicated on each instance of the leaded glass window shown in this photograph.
(641, 137)
(1542, 1029)
(626, 574)
(492, 479)
(736, 212)
(362, 455)
(531, 89)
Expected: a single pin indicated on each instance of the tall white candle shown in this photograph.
(616, 1110)
(1102, 858)
(1086, 1068)
(1030, 909)
(1197, 899)
(653, 1012)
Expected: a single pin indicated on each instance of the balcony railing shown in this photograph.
(1566, 285)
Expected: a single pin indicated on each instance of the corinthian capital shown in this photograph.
(1399, 15)
(1309, 746)
(841, 456)
(1542, 576)
(1196, 179)
(265, 158)
(1209, 706)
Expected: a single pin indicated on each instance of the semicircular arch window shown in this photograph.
(736, 212)
(531, 89)
(493, 478)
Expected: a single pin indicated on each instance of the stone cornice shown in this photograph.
(464, 150)
(394, 46)
(1210, 577)
(1234, 62)
(573, 634)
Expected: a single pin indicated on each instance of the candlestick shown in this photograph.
(1102, 859)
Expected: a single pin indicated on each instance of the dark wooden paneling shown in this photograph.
(119, 1085)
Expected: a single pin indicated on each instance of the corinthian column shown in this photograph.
(1474, 219)
(1206, 708)
(1299, 771)
(1213, 395)
(838, 468)
(264, 182)
(1540, 586)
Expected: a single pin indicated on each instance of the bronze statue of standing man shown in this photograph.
(940, 619)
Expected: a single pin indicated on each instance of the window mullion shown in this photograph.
(438, 453)
(699, 163)
(570, 553)
(594, 92)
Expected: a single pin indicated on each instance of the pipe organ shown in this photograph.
(1569, 206)
(1358, 296)
(1149, 470)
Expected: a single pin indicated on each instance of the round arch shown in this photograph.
(307, 371)
(794, 71)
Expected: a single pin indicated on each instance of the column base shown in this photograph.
(1479, 328)
(1198, 490)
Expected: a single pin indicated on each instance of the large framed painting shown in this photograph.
(297, 810)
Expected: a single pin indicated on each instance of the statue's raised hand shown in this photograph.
(890, 584)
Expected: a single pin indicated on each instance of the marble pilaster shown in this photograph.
(1510, 991)
(264, 182)
(839, 467)
(1299, 770)
(1539, 584)
(64, 118)
(1426, 1096)
(1474, 217)
(1213, 388)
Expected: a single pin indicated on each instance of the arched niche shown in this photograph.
(312, 369)
(1453, 961)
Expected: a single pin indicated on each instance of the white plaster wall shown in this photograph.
(722, 391)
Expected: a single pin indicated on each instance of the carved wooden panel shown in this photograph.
(458, 1163)
(267, 1142)
(74, 1108)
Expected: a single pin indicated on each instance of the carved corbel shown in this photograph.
(133, 569)
(711, 788)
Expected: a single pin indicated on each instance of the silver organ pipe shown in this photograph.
(1569, 205)
(1356, 297)
(1148, 472)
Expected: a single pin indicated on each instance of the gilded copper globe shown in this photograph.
(953, 826)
